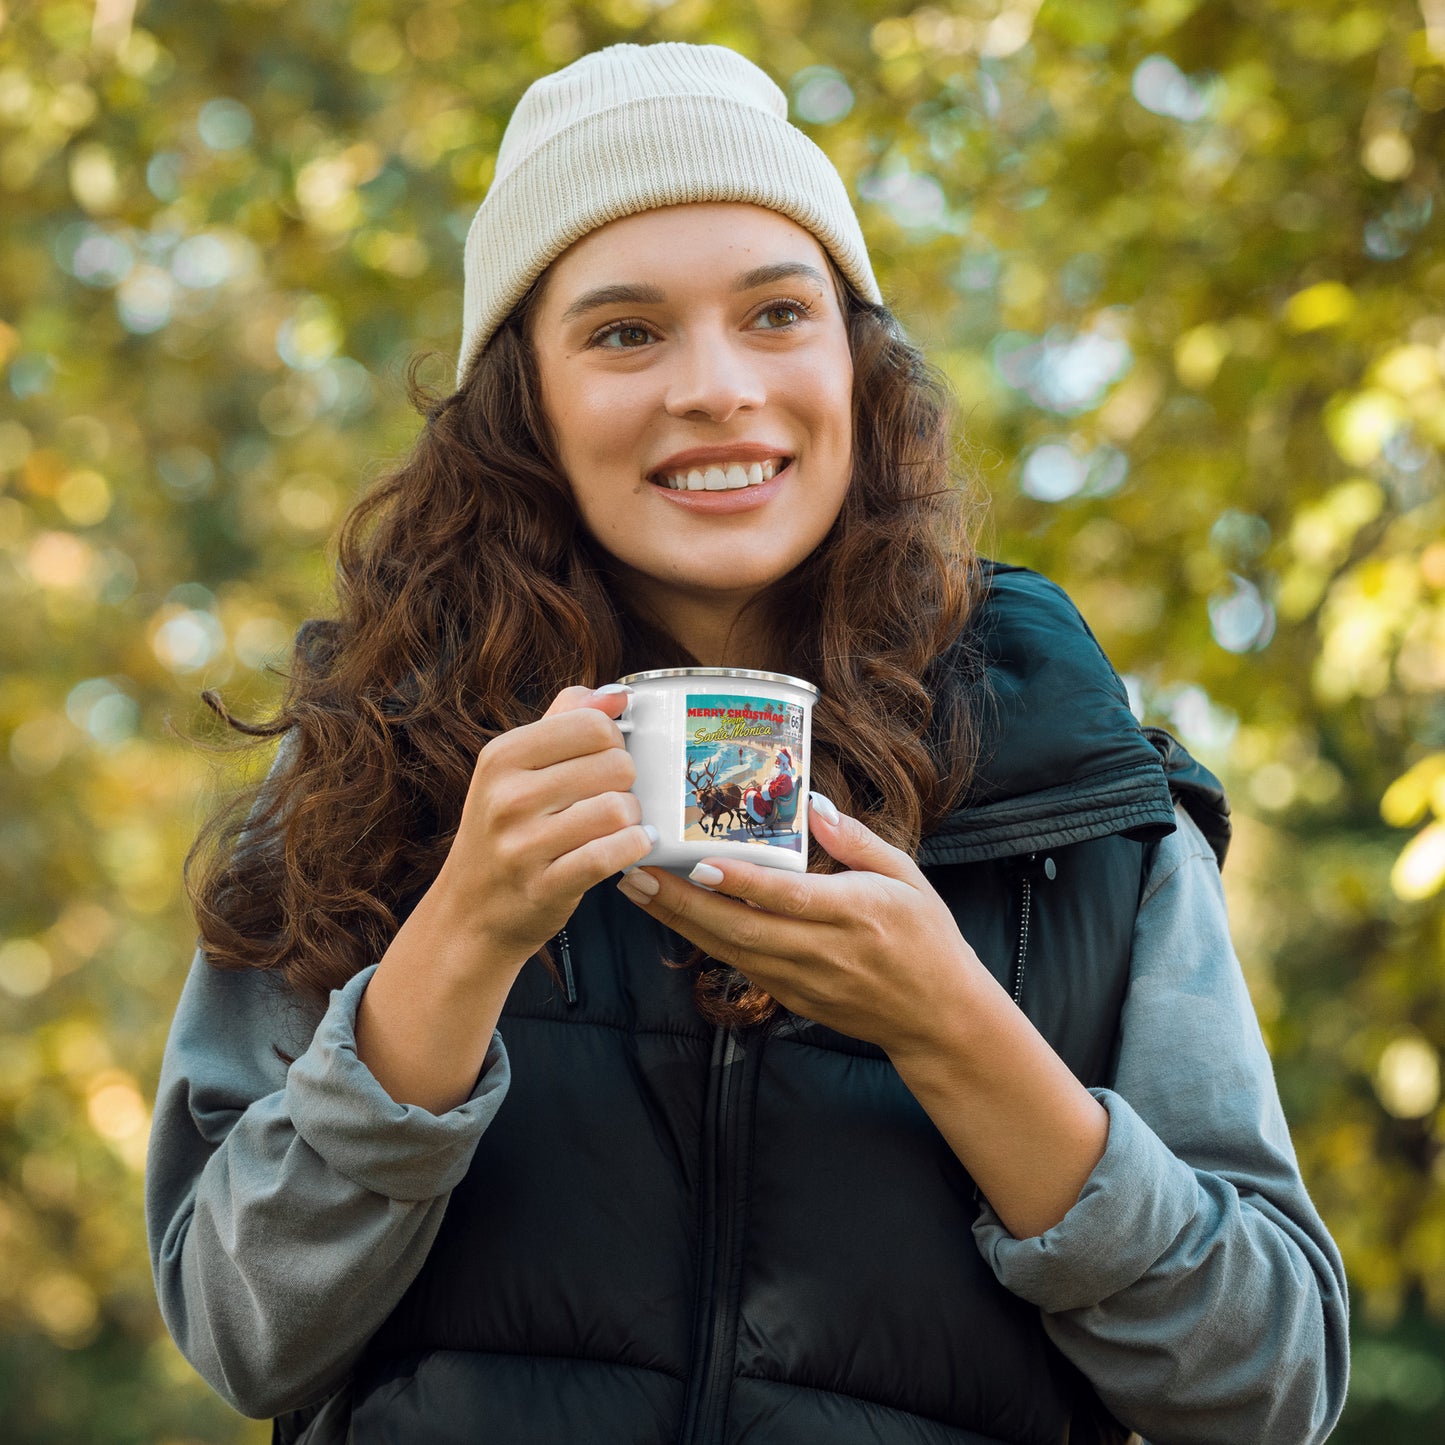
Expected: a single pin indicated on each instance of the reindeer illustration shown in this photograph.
(716, 802)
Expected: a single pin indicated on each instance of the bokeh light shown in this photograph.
(1182, 265)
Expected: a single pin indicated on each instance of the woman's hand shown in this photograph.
(873, 952)
(548, 815)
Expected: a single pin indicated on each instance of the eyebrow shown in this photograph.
(643, 294)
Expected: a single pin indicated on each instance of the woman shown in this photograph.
(966, 1135)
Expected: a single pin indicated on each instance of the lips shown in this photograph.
(725, 500)
(720, 477)
(722, 456)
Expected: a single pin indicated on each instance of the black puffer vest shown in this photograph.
(676, 1235)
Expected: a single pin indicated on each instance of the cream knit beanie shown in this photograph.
(631, 128)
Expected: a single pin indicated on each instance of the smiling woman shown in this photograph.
(659, 410)
(955, 1138)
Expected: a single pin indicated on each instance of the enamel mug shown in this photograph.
(722, 764)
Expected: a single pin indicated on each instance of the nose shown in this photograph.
(714, 377)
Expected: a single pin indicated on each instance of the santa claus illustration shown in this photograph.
(774, 801)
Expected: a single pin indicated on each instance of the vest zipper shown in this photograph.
(567, 966)
(712, 1371)
(1021, 952)
(1028, 871)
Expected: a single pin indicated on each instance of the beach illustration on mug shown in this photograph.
(744, 768)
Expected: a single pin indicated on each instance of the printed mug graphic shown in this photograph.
(743, 765)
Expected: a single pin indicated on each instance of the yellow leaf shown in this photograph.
(1198, 354)
(1420, 869)
(1407, 1078)
(1406, 370)
(1359, 425)
(1411, 795)
(1326, 304)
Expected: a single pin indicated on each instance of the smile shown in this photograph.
(722, 479)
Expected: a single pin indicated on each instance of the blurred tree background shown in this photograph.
(1183, 264)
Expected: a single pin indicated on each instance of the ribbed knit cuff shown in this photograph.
(397, 1150)
(1132, 1207)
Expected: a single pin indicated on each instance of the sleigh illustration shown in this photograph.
(771, 807)
(760, 809)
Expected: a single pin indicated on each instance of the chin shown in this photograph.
(721, 574)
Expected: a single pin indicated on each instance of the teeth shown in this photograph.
(718, 479)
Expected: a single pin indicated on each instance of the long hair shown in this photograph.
(469, 595)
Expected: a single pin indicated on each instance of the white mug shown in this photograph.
(722, 764)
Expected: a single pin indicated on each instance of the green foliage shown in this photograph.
(1183, 264)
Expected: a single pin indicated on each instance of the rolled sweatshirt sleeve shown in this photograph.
(289, 1207)
(1192, 1282)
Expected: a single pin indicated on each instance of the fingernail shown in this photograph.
(607, 689)
(824, 806)
(651, 832)
(707, 875)
(638, 882)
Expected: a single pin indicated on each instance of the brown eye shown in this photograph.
(619, 328)
(791, 313)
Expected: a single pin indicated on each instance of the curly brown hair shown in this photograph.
(469, 595)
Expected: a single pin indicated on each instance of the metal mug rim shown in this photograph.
(748, 672)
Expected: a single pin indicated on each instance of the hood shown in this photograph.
(1063, 759)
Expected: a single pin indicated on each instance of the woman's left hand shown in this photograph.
(872, 952)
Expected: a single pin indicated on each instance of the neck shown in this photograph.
(718, 642)
(712, 629)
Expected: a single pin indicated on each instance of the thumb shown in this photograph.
(854, 844)
(609, 699)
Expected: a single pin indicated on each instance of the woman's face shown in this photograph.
(703, 342)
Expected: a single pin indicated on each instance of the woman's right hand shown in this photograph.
(548, 814)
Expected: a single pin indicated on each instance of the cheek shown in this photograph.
(835, 389)
(604, 411)
(599, 420)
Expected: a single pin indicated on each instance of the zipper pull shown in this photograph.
(567, 966)
(1033, 869)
